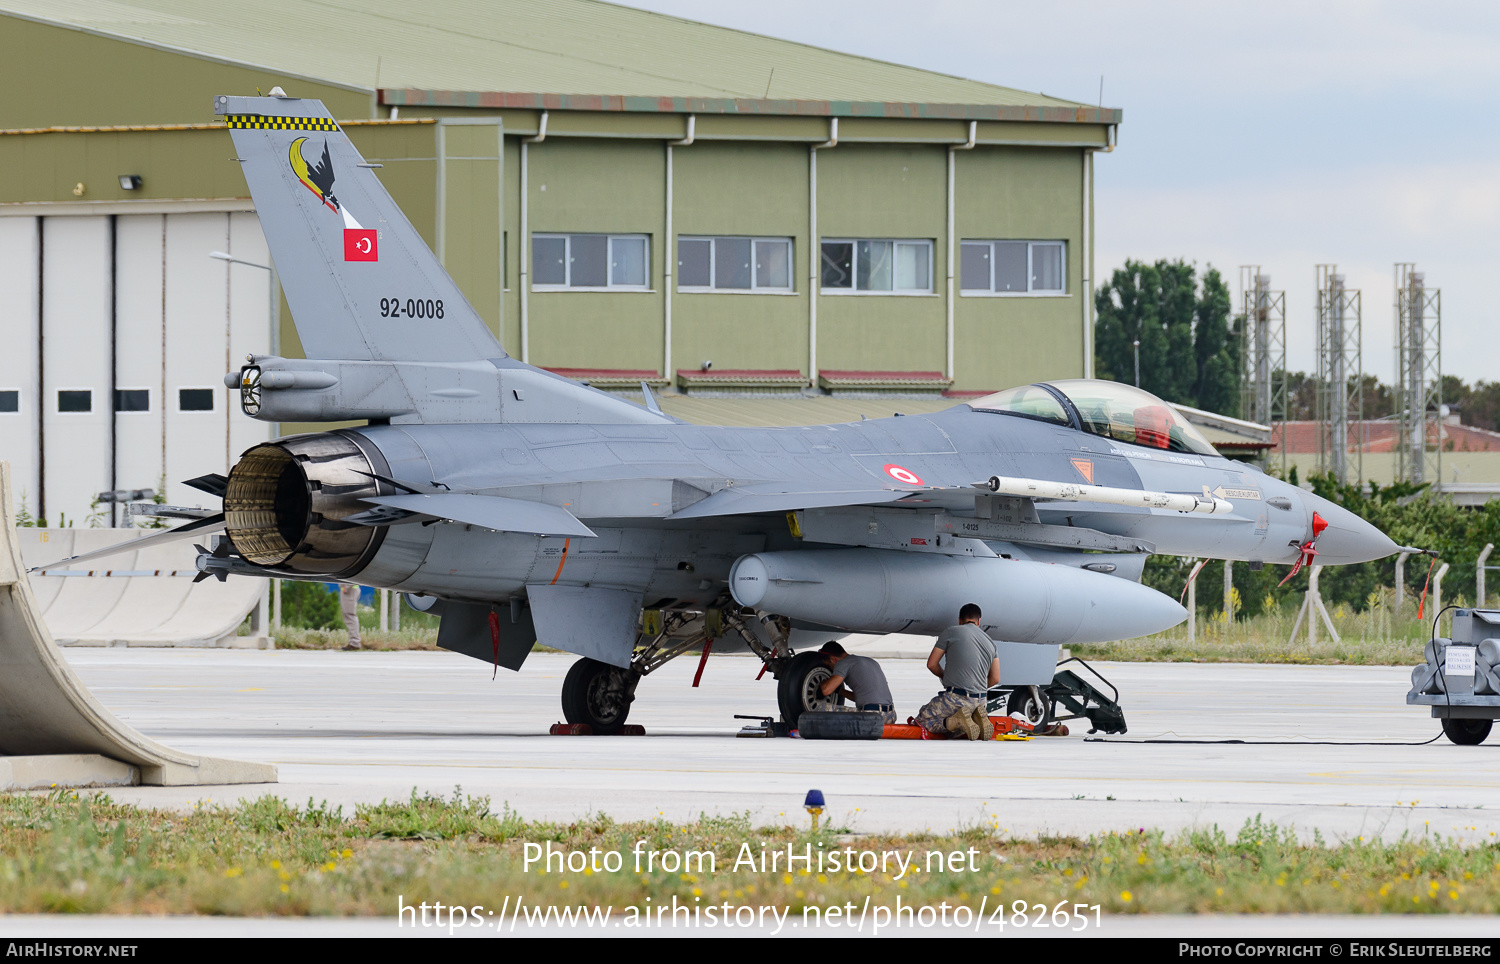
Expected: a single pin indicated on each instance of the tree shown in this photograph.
(1481, 405)
(1218, 356)
(1187, 354)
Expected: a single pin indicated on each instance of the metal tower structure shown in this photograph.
(1263, 389)
(1340, 398)
(1419, 378)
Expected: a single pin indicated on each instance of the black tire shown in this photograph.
(1034, 708)
(597, 694)
(1467, 732)
(830, 725)
(797, 688)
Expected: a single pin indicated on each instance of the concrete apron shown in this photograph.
(52, 730)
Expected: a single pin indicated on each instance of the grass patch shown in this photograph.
(68, 852)
(418, 631)
(1371, 638)
(407, 637)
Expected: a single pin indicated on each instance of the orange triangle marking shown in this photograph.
(1085, 468)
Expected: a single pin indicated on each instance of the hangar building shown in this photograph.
(623, 196)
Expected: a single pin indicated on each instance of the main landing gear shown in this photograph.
(799, 688)
(600, 695)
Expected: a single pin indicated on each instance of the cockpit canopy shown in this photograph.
(1109, 409)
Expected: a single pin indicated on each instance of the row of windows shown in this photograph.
(848, 265)
(877, 266)
(1011, 266)
(589, 261)
(74, 400)
(734, 264)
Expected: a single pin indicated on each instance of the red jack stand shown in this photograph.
(583, 729)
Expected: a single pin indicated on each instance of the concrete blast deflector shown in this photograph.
(52, 730)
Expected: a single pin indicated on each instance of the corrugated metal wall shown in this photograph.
(100, 309)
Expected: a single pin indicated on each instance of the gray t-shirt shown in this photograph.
(865, 677)
(970, 653)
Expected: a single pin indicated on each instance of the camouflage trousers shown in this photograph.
(934, 716)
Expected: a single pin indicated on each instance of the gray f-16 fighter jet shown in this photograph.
(521, 506)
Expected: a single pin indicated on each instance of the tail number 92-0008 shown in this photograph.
(411, 308)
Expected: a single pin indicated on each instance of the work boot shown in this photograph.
(982, 720)
(963, 723)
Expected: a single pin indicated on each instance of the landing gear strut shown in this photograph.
(599, 695)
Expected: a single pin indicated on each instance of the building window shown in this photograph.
(1012, 268)
(597, 261)
(195, 399)
(75, 400)
(132, 399)
(877, 266)
(734, 264)
(10, 401)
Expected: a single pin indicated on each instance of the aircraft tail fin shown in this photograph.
(361, 282)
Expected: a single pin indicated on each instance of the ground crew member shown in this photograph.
(349, 606)
(867, 687)
(970, 669)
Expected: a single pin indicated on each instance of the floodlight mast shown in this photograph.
(1263, 392)
(1340, 384)
(1419, 378)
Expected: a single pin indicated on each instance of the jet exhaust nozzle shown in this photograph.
(888, 591)
(285, 501)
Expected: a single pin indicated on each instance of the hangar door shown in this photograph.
(118, 332)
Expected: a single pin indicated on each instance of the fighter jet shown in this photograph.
(524, 507)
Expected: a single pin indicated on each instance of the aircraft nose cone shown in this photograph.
(1347, 539)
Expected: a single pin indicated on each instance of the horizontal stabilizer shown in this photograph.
(202, 527)
(214, 484)
(491, 512)
(599, 623)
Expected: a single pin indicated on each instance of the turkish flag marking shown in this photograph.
(360, 245)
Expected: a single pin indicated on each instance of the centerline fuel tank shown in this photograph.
(887, 591)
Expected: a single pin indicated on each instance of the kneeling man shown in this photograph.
(969, 671)
(866, 680)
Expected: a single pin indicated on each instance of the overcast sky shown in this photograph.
(1272, 133)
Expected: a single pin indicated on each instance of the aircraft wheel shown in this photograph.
(861, 725)
(798, 689)
(1467, 732)
(597, 694)
(1031, 704)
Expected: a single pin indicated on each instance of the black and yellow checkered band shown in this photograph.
(262, 122)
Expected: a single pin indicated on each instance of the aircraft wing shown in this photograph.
(782, 497)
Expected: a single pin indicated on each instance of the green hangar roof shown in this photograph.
(556, 54)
